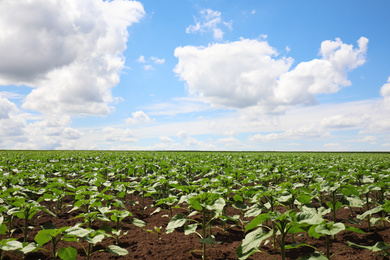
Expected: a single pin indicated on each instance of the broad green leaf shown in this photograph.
(29, 247)
(11, 245)
(177, 221)
(137, 222)
(309, 218)
(78, 231)
(330, 228)
(69, 253)
(237, 197)
(369, 212)
(195, 204)
(189, 229)
(314, 256)
(43, 236)
(218, 205)
(256, 221)
(304, 198)
(379, 246)
(117, 250)
(253, 211)
(3, 229)
(354, 229)
(251, 243)
(208, 241)
(94, 239)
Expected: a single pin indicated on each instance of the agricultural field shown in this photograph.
(194, 205)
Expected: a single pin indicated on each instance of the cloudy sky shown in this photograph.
(195, 75)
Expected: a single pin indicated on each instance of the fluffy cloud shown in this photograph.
(385, 92)
(51, 132)
(248, 73)
(119, 135)
(305, 132)
(367, 139)
(193, 143)
(74, 53)
(236, 74)
(231, 142)
(12, 126)
(165, 139)
(209, 21)
(326, 75)
(345, 121)
(138, 117)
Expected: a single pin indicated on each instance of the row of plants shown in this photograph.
(277, 198)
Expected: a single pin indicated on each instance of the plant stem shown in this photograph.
(327, 246)
(89, 251)
(204, 232)
(53, 242)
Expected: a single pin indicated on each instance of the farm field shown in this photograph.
(194, 205)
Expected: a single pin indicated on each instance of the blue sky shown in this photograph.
(195, 75)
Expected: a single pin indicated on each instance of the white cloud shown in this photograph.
(236, 74)
(385, 92)
(148, 67)
(345, 121)
(138, 117)
(231, 142)
(209, 21)
(193, 143)
(166, 139)
(112, 134)
(176, 106)
(367, 139)
(74, 53)
(305, 132)
(12, 125)
(247, 73)
(157, 60)
(321, 76)
(141, 59)
(332, 145)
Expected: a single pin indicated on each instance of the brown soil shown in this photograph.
(177, 245)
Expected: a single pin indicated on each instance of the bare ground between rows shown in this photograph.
(144, 245)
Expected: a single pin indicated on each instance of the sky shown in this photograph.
(249, 75)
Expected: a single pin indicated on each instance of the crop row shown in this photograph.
(278, 197)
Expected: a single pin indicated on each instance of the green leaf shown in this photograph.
(11, 245)
(251, 243)
(117, 250)
(218, 205)
(69, 253)
(43, 236)
(256, 221)
(379, 246)
(253, 211)
(304, 198)
(28, 247)
(3, 229)
(208, 241)
(78, 231)
(309, 218)
(354, 229)
(314, 256)
(195, 204)
(137, 222)
(177, 221)
(369, 212)
(94, 239)
(189, 229)
(330, 228)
